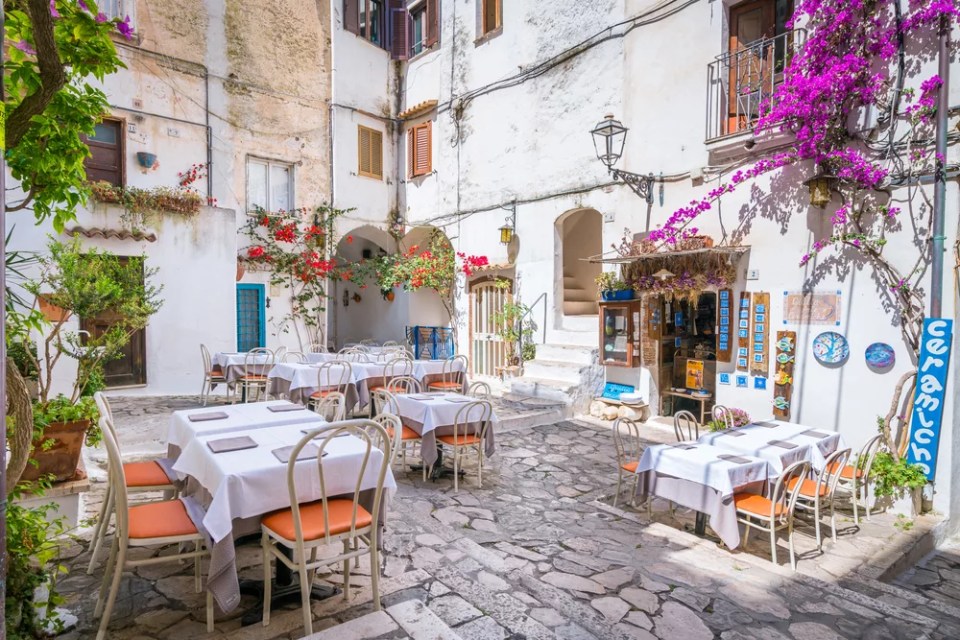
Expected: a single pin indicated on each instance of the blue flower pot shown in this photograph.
(610, 296)
(146, 159)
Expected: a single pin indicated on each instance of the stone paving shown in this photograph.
(539, 552)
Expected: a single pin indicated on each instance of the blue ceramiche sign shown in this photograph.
(931, 389)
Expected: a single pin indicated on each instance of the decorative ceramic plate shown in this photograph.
(830, 348)
(880, 355)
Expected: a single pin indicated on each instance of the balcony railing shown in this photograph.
(742, 84)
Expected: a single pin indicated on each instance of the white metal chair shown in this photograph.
(395, 368)
(855, 477)
(140, 477)
(480, 390)
(389, 344)
(629, 447)
(469, 435)
(332, 377)
(316, 347)
(450, 376)
(152, 524)
(253, 384)
(685, 426)
(212, 376)
(814, 493)
(304, 528)
(297, 357)
(773, 514)
(332, 407)
(722, 414)
(403, 384)
(385, 403)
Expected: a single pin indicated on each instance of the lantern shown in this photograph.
(608, 138)
(821, 186)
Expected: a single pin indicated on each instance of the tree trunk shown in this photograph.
(21, 408)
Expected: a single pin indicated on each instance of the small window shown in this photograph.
(367, 19)
(119, 9)
(269, 185)
(424, 26)
(491, 16)
(370, 152)
(105, 162)
(419, 150)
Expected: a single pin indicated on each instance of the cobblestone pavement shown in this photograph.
(538, 552)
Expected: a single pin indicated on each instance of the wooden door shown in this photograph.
(105, 162)
(487, 349)
(750, 61)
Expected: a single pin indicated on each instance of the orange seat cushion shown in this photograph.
(160, 520)
(446, 385)
(756, 504)
(460, 440)
(406, 434)
(323, 393)
(145, 474)
(631, 466)
(848, 471)
(808, 488)
(311, 519)
(375, 387)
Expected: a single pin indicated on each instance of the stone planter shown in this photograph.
(909, 504)
(505, 373)
(57, 452)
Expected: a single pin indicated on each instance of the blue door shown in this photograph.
(251, 317)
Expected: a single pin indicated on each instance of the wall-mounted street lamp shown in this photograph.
(821, 186)
(608, 138)
(509, 227)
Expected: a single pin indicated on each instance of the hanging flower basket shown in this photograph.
(692, 243)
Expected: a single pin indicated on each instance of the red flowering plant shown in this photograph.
(293, 247)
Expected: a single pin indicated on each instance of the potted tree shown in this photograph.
(515, 331)
(83, 283)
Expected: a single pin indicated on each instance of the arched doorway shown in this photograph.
(580, 236)
(363, 311)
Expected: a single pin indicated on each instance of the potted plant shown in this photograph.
(612, 287)
(84, 283)
(740, 419)
(515, 330)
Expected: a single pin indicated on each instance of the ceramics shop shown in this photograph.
(666, 323)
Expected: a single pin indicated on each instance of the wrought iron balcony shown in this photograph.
(742, 84)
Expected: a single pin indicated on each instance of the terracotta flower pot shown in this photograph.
(50, 311)
(62, 457)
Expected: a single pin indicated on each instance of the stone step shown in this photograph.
(569, 372)
(562, 390)
(578, 354)
(576, 294)
(566, 338)
(585, 308)
(586, 324)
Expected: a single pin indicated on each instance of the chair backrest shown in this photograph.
(332, 407)
(396, 367)
(403, 384)
(832, 468)
(722, 414)
(384, 401)
(473, 418)
(368, 342)
(453, 367)
(792, 476)
(390, 344)
(479, 390)
(369, 433)
(116, 478)
(685, 426)
(207, 360)
(316, 347)
(391, 424)
(294, 356)
(626, 441)
(335, 373)
(258, 362)
(868, 454)
(104, 406)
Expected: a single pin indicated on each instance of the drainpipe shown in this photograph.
(940, 177)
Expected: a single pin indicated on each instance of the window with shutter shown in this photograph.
(432, 22)
(419, 150)
(269, 185)
(106, 160)
(399, 30)
(370, 152)
(491, 15)
(351, 15)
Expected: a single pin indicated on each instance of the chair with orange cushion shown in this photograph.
(385, 404)
(815, 493)
(253, 384)
(152, 524)
(332, 407)
(332, 377)
(212, 376)
(403, 384)
(305, 528)
(856, 477)
(775, 513)
(469, 434)
(627, 442)
(450, 375)
(685, 426)
(394, 368)
(141, 477)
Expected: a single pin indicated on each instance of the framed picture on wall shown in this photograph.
(742, 382)
(723, 378)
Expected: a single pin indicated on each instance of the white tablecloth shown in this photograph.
(430, 414)
(232, 364)
(425, 371)
(300, 381)
(252, 415)
(813, 445)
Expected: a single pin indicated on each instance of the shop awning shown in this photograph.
(727, 253)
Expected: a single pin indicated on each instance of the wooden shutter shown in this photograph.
(105, 162)
(419, 141)
(370, 152)
(491, 15)
(432, 26)
(399, 45)
(351, 15)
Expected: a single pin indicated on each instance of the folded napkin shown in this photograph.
(309, 452)
(684, 446)
(209, 415)
(224, 445)
(733, 433)
(767, 425)
(735, 459)
(339, 435)
(282, 408)
(816, 434)
(459, 400)
(783, 444)
(419, 397)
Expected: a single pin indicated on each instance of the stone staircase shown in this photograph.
(578, 301)
(567, 368)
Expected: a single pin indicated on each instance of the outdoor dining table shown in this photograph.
(232, 364)
(238, 487)
(297, 382)
(433, 414)
(703, 478)
(425, 371)
(779, 443)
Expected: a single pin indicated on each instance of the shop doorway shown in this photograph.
(688, 354)
(581, 237)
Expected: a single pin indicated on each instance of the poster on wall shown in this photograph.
(724, 324)
(743, 332)
(695, 374)
(811, 307)
(759, 356)
(785, 358)
(925, 421)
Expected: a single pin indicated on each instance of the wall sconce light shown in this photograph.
(821, 186)
(608, 138)
(508, 230)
